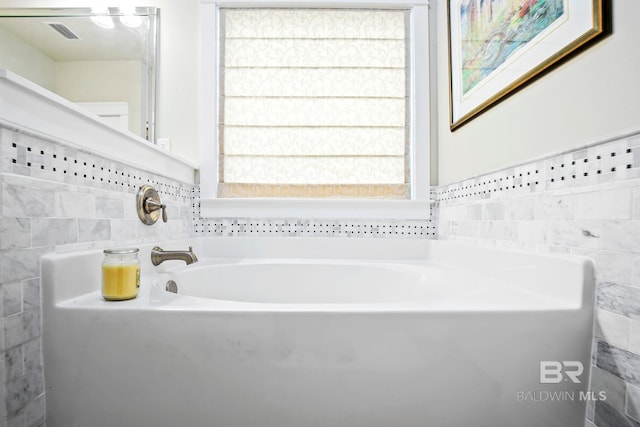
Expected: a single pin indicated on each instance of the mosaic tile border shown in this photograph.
(606, 162)
(425, 229)
(23, 154)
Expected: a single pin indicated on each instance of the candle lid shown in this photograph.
(121, 251)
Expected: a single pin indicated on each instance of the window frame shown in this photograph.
(417, 207)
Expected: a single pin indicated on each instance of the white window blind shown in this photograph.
(314, 103)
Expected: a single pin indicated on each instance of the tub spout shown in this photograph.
(158, 256)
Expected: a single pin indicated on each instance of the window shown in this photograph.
(314, 107)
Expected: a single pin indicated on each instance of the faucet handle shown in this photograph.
(147, 205)
(151, 205)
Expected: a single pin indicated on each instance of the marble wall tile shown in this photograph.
(94, 229)
(74, 204)
(634, 336)
(621, 299)
(5, 165)
(15, 233)
(20, 264)
(20, 201)
(636, 201)
(12, 298)
(520, 208)
(32, 355)
(502, 230)
(632, 409)
(124, 229)
(2, 348)
(35, 412)
(577, 234)
(635, 270)
(53, 231)
(150, 231)
(173, 211)
(7, 138)
(608, 416)
(23, 390)
(31, 293)
(13, 363)
(21, 328)
(20, 170)
(550, 207)
(21, 155)
(591, 409)
(493, 211)
(453, 213)
(621, 363)
(473, 211)
(180, 227)
(621, 236)
(613, 387)
(109, 207)
(613, 328)
(129, 206)
(607, 204)
(532, 232)
(616, 267)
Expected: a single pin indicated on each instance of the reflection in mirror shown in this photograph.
(103, 59)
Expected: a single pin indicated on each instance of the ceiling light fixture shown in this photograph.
(100, 16)
(129, 17)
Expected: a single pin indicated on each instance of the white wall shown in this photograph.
(177, 116)
(22, 58)
(592, 97)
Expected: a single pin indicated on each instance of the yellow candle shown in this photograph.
(120, 282)
(120, 274)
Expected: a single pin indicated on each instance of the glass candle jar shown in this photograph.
(120, 274)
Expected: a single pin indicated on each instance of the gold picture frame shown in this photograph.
(496, 47)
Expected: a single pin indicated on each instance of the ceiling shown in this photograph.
(95, 43)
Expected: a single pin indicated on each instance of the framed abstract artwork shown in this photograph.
(498, 46)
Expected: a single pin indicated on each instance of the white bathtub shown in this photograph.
(293, 332)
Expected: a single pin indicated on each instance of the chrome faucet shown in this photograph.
(158, 256)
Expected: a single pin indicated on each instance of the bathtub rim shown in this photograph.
(440, 254)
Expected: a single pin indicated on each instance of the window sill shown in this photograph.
(314, 208)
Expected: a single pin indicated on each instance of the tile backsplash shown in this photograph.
(584, 202)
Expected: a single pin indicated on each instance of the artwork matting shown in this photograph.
(498, 46)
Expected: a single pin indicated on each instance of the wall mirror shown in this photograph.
(103, 59)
